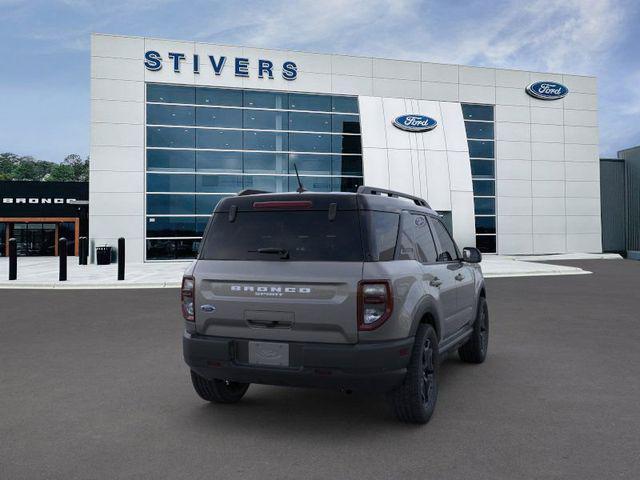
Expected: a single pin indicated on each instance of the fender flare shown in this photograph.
(428, 306)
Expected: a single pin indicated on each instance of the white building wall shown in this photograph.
(546, 151)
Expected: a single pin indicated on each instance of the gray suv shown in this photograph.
(361, 291)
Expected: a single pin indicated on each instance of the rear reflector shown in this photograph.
(284, 204)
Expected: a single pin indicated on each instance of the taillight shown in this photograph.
(375, 303)
(186, 298)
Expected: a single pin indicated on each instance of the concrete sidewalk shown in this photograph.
(42, 272)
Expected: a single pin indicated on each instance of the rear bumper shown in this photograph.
(377, 366)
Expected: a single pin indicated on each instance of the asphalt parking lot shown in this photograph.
(92, 385)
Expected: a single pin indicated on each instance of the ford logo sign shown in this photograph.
(415, 123)
(547, 90)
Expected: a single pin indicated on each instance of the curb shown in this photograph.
(86, 286)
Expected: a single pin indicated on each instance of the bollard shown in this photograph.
(13, 259)
(85, 260)
(121, 254)
(80, 250)
(62, 253)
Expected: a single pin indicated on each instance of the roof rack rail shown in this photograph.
(250, 191)
(364, 190)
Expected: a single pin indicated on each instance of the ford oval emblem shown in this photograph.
(415, 123)
(547, 90)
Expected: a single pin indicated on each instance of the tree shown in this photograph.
(16, 167)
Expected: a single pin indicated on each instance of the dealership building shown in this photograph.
(508, 157)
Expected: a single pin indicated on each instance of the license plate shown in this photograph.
(269, 353)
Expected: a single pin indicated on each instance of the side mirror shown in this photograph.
(471, 255)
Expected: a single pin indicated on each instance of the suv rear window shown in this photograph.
(304, 235)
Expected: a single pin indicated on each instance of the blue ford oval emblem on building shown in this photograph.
(415, 123)
(547, 90)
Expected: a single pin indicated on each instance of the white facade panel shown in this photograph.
(514, 132)
(513, 170)
(396, 69)
(113, 111)
(385, 87)
(439, 72)
(477, 75)
(511, 113)
(477, 93)
(346, 65)
(439, 91)
(122, 90)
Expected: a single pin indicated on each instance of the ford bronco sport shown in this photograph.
(361, 291)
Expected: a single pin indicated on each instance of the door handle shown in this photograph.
(436, 282)
(459, 277)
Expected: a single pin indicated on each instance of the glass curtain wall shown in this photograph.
(479, 124)
(204, 143)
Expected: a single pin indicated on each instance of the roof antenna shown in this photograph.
(300, 188)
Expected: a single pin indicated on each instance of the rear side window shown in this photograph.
(425, 246)
(383, 234)
(303, 235)
(447, 251)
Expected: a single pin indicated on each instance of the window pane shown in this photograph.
(265, 141)
(163, 182)
(477, 112)
(268, 183)
(218, 183)
(480, 149)
(265, 120)
(447, 250)
(485, 206)
(345, 124)
(172, 249)
(265, 99)
(169, 115)
(345, 104)
(260, 162)
(316, 103)
(310, 122)
(201, 225)
(482, 168)
(484, 188)
(384, 233)
(223, 139)
(479, 129)
(347, 165)
(219, 117)
(219, 161)
(486, 243)
(425, 246)
(170, 94)
(206, 204)
(309, 163)
(310, 142)
(170, 137)
(219, 96)
(166, 204)
(485, 224)
(345, 184)
(306, 235)
(312, 184)
(171, 227)
(171, 160)
(347, 144)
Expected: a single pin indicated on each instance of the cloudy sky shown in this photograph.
(44, 79)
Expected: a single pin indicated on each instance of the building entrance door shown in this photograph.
(35, 239)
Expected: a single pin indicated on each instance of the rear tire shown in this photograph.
(218, 391)
(475, 349)
(415, 400)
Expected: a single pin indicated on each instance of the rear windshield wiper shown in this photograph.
(284, 253)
